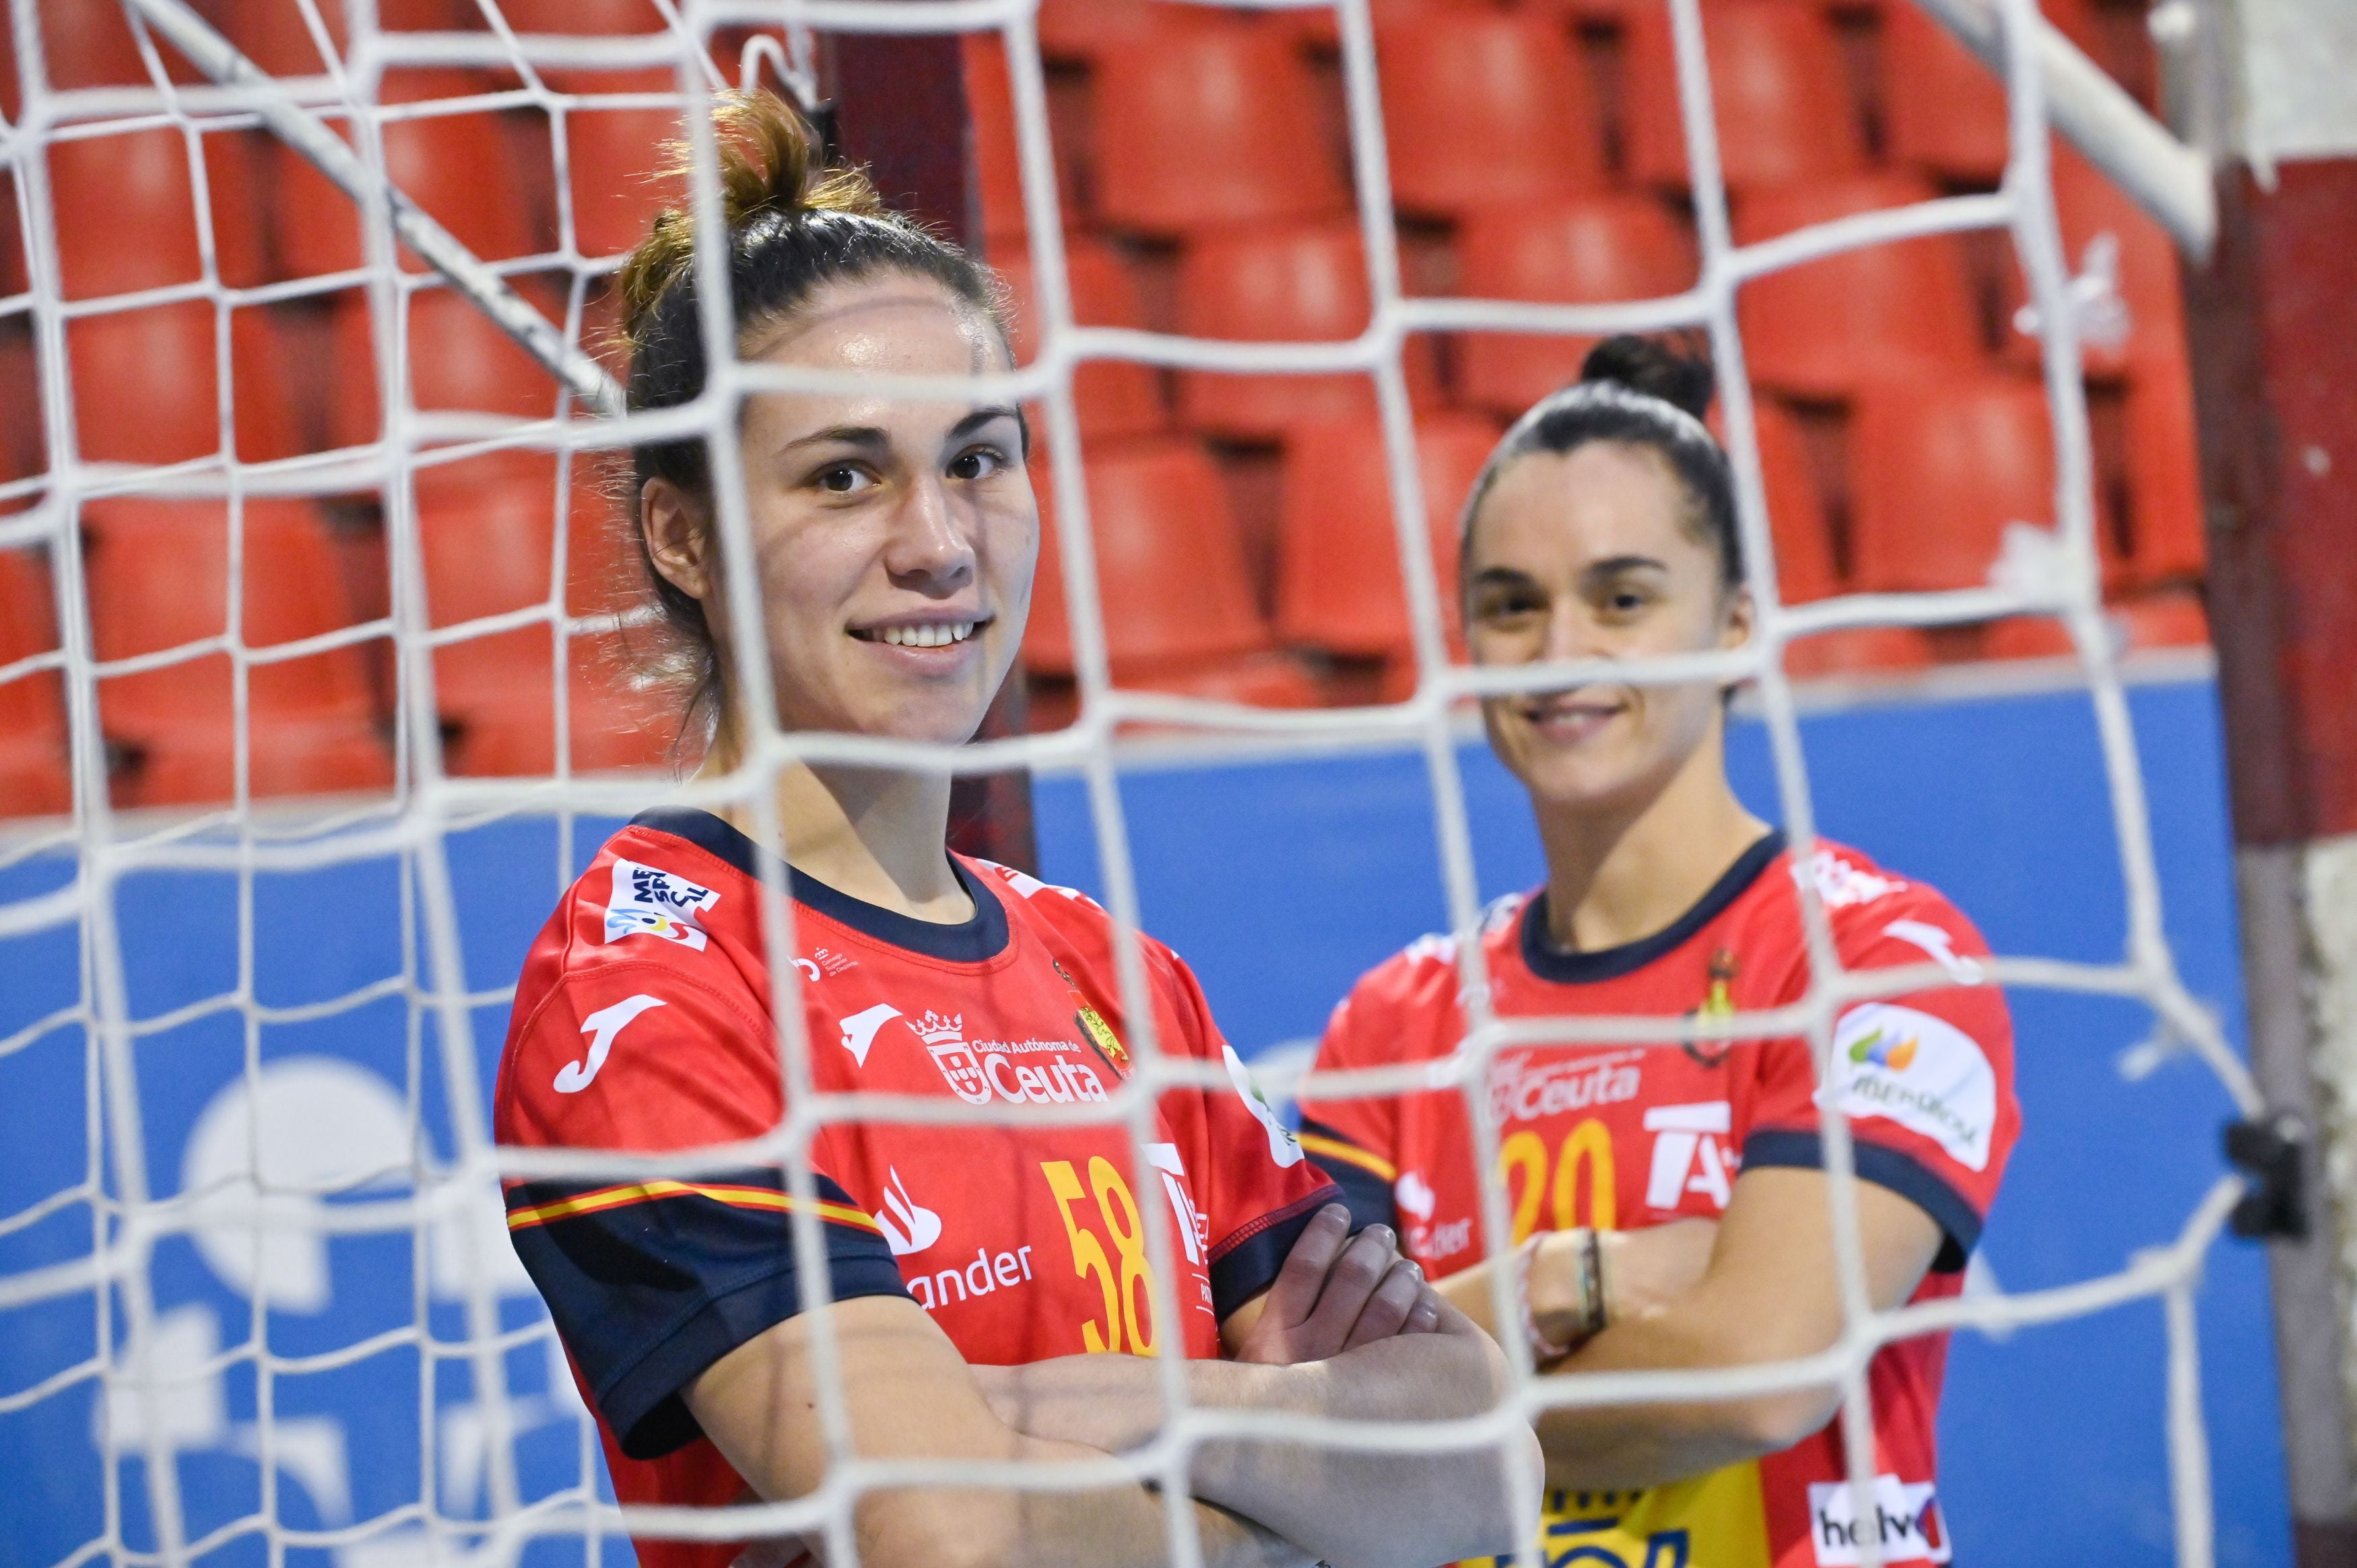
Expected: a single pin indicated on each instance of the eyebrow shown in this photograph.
(874, 437)
(1613, 565)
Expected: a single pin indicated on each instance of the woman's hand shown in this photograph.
(1336, 1293)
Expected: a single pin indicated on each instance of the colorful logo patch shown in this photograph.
(1920, 1071)
(1878, 1048)
(648, 901)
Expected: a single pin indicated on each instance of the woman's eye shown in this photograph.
(978, 463)
(843, 479)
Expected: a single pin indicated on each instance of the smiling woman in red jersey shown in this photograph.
(974, 1268)
(1668, 1204)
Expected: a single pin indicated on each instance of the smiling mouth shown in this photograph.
(1578, 718)
(938, 635)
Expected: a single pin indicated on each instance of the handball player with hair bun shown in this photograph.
(1669, 1203)
(973, 1263)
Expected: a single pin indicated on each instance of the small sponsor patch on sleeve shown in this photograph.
(1918, 1070)
(649, 901)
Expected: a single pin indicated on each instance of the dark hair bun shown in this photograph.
(1651, 366)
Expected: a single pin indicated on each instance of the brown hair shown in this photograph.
(1647, 393)
(794, 225)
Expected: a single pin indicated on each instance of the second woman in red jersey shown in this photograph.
(1666, 1205)
(974, 1252)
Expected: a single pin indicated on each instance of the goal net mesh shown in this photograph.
(320, 1126)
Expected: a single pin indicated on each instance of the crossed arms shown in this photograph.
(1348, 1330)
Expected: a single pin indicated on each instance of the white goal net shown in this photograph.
(257, 1302)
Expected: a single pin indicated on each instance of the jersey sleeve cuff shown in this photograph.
(1366, 1179)
(1885, 1167)
(643, 1405)
(1247, 1263)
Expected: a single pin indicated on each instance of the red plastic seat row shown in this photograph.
(1172, 583)
(487, 532)
(1339, 582)
(1214, 129)
(158, 578)
(458, 362)
(464, 168)
(1290, 283)
(1114, 398)
(1942, 108)
(1584, 250)
(125, 210)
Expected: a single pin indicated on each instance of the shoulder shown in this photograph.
(1877, 914)
(627, 942)
(1419, 984)
(1079, 933)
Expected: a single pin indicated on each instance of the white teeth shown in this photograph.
(927, 636)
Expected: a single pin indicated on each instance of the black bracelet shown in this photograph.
(1591, 1283)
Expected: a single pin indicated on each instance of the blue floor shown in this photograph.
(1279, 883)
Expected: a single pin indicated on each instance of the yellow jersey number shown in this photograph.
(1128, 1290)
(1523, 1165)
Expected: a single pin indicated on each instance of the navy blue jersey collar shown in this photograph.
(972, 941)
(1550, 962)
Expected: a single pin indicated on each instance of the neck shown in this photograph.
(1617, 875)
(881, 836)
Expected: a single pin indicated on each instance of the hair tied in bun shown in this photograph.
(1655, 368)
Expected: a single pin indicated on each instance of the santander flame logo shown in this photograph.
(908, 1224)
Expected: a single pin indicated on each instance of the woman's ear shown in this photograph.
(673, 525)
(1736, 624)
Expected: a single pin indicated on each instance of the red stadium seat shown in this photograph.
(1314, 25)
(2027, 637)
(605, 17)
(1116, 398)
(1796, 508)
(2172, 617)
(144, 385)
(2096, 213)
(1584, 251)
(997, 160)
(1204, 131)
(1778, 86)
(1338, 567)
(1944, 111)
(2167, 541)
(1482, 108)
(1172, 583)
(12, 274)
(1939, 469)
(24, 437)
(459, 362)
(486, 532)
(158, 577)
(1254, 681)
(613, 155)
(86, 44)
(1826, 327)
(463, 168)
(1860, 650)
(126, 217)
(271, 33)
(1298, 283)
(34, 780)
(1080, 31)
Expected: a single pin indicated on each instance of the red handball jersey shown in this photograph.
(642, 1023)
(1630, 1136)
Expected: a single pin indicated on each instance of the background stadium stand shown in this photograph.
(1243, 522)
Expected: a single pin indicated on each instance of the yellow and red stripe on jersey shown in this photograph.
(650, 1191)
(1331, 1148)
